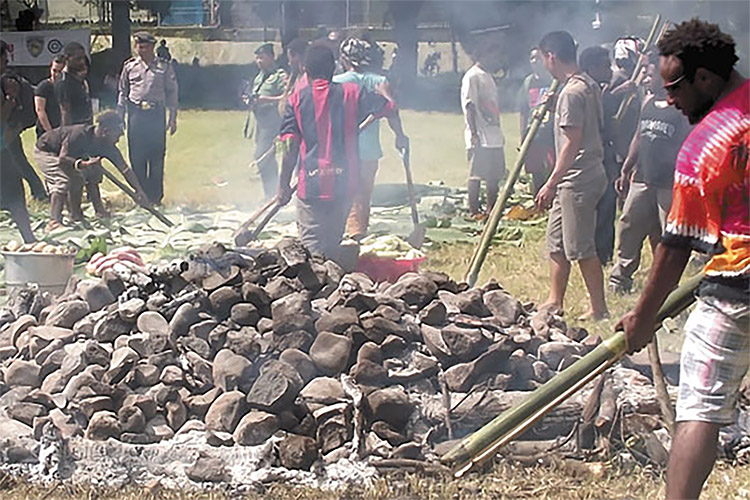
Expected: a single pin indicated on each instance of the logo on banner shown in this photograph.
(54, 46)
(35, 45)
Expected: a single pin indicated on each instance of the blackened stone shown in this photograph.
(295, 340)
(245, 314)
(390, 405)
(330, 352)
(132, 419)
(223, 299)
(231, 371)
(255, 428)
(338, 320)
(464, 344)
(415, 290)
(258, 297)
(290, 313)
(110, 327)
(297, 452)
(102, 426)
(504, 307)
(470, 302)
(96, 293)
(66, 314)
(280, 287)
(185, 317)
(276, 387)
(434, 313)
(225, 412)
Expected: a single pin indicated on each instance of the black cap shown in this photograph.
(266, 48)
(144, 37)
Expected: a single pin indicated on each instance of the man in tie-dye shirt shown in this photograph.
(710, 214)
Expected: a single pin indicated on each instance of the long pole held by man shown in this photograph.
(710, 213)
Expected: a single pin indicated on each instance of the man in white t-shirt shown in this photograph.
(484, 136)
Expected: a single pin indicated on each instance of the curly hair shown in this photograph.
(699, 44)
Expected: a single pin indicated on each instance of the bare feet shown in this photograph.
(52, 225)
(552, 308)
(594, 316)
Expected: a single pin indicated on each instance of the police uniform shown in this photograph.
(267, 122)
(147, 91)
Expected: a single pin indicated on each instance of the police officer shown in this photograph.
(148, 90)
(268, 90)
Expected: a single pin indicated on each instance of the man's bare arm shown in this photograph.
(638, 324)
(572, 140)
(40, 105)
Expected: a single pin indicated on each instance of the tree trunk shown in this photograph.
(405, 15)
(120, 31)
(290, 16)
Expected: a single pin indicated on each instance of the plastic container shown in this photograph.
(50, 271)
(385, 269)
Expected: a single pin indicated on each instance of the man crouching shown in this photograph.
(70, 158)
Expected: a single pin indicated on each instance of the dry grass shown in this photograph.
(562, 480)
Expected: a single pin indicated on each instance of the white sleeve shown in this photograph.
(468, 91)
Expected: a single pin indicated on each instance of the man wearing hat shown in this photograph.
(148, 91)
(268, 90)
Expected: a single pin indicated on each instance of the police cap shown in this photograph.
(266, 48)
(144, 37)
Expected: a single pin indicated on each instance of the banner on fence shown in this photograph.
(38, 48)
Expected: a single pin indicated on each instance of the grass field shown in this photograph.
(207, 166)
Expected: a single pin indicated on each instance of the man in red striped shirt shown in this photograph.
(320, 127)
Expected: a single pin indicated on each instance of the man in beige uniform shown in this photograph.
(148, 89)
(578, 179)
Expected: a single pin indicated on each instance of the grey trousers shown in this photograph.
(644, 214)
(266, 131)
(321, 225)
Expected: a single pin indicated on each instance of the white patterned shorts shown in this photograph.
(715, 358)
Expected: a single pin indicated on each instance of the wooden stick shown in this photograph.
(125, 189)
(667, 410)
(586, 434)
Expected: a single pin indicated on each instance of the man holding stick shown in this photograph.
(710, 213)
(70, 156)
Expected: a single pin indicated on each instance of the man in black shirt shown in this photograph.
(12, 195)
(45, 100)
(649, 172)
(72, 89)
(70, 156)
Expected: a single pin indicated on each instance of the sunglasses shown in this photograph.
(674, 85)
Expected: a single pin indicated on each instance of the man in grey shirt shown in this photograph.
(578, 179)
(148, 89)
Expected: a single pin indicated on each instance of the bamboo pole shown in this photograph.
(483, 444)
(636, 76)
(490, 228)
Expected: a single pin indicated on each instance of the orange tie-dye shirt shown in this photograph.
(711, 207)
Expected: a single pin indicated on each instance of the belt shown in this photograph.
(146, 105)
